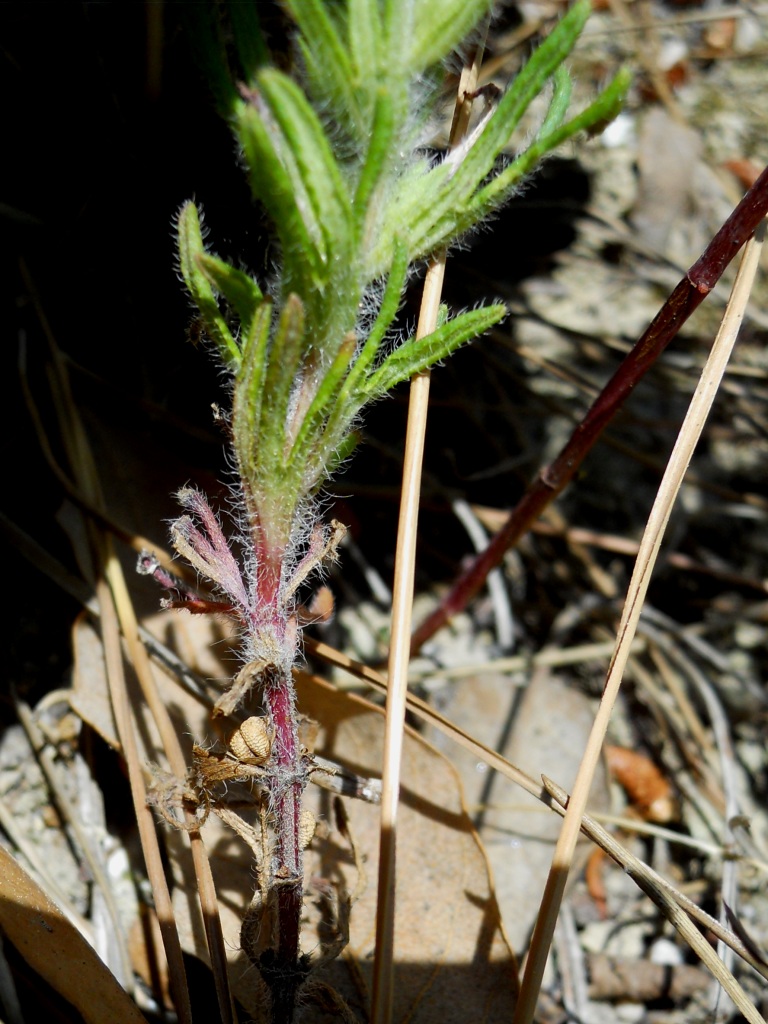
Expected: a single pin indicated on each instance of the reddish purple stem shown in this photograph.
(284, 969)
(552, 479)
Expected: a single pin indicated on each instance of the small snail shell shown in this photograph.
(307, 826)
(252, 742)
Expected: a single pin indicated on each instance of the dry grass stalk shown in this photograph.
(688, 437)
(402, 596)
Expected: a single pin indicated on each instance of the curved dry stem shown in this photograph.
(643, 875)
(688, 437)
(144, 817)
(172, 747)
(116, 611)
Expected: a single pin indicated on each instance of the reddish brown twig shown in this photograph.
(552, 479)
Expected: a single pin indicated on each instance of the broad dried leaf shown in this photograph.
(90, 694)
(193, 637)
(450, 950)
(551, 725)
(56, 950)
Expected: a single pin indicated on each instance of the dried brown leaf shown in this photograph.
(451, 956)
(57, 951)
(451, 953)
(550, 729)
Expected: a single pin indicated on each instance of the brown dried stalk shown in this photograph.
(552, 479)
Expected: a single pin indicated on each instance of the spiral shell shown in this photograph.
(307, 826)
(252, 741)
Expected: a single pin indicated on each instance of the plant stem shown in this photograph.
(281, 966)
(281, 886)
(552, 479)
(284, 974)
(273, 630)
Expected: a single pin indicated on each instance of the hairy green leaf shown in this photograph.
(237, 287)
(342, 451)
(561, 99)
(531, 80)
(378, 156)
(419, 354)
(191, 250)
(283, 365)
(305, 462)
(319, 177)
(326, 54)
(435, 208)
(599, 113)
(276, 180)
(440, 27)
(249, 387)
(365, 38)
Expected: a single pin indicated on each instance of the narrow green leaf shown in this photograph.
(440, 27)
(397, 27)
(422, 185)
(191, 250)
(377, 157)
(599, 113)
(321, 179)
(462, 216)
(282, 367)
(275, 180)
(341, 452)
(303, 457)
(238, 288)
(531, 80)
(390, 303)
(252, 50)
(544, 61)
(348, 404)
(327, 59)
(365, 38)
(436, 197)
(561, 98)
(249, 386)
(419, 354)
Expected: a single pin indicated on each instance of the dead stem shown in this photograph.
(552, 479)
(688, 437)
(402, 603)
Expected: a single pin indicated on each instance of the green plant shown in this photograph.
(335, 154)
